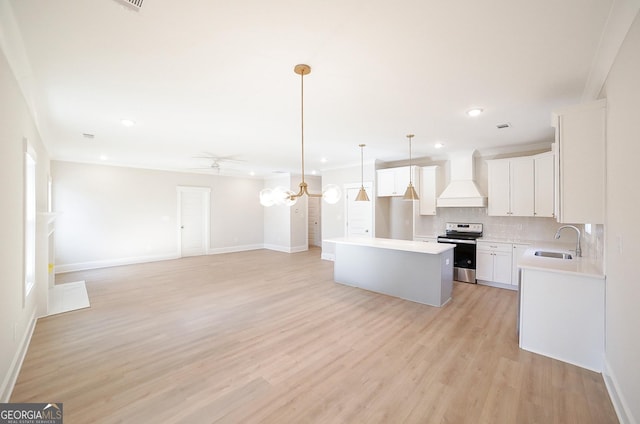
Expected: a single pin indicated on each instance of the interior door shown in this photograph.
(314, 221)
(193, 220)
(359, 215)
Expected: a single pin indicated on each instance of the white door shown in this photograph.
(193, 220)
(314, 221)
(359, 215)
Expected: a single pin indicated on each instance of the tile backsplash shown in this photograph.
(511, 228)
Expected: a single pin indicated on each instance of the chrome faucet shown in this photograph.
(578, 249)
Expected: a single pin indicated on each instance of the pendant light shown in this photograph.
(410, 194)
(280, 195)
(362, 194)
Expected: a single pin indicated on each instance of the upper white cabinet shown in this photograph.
(429, 189)
(394, 181)
(544, 185)
(580, 148)
(511, 187)
(522, 186)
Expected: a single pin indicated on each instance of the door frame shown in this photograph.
(368, 185)
(206, 215)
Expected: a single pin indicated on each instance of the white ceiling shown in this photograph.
(217, 76)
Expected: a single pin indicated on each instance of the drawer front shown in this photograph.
(494, 247)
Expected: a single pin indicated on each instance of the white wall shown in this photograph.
(622, 250)
(17, 317)
(111, 215)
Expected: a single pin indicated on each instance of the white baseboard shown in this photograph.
(14, 370)
(618, 400)
(81, 266)
(286, 249)
(233, 249)
(328, 256)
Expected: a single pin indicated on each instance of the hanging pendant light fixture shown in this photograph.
(362, 194)
(280, 195)
(410, 193)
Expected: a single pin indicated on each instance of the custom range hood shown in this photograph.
(462, 191)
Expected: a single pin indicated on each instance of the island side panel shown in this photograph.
(419, 277)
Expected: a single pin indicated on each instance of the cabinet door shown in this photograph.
(502, 267)
(544, 186)
(499, 188)
(484, 265)
(582, 150)
(428, 177)
(386, 183)
(521, 189)
(402, 175)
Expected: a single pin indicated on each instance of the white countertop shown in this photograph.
(578, 266)
(404, 245)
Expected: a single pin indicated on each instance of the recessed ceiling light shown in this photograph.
(438, 145)
(252, 173)
(323, 160)
(127, 122)
(314, 172)
(104, 157)
(474, 112)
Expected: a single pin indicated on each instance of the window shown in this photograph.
(29, 220)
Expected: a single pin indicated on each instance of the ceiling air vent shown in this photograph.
(133, 4)
(505, 125)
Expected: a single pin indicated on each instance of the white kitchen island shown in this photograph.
(412, 270)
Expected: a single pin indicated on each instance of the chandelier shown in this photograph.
(280, 195)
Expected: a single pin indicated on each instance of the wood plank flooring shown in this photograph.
(268, 337)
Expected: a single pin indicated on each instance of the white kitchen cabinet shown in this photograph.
(394, 181)
(580, 146)
(518, 252)
(544, 185)
(494, 262)
(429, 187)
(511, 187)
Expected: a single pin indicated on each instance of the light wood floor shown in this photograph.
(268, 337)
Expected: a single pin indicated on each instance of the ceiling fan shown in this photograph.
(214, 161)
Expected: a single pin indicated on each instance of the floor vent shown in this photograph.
(133, 4)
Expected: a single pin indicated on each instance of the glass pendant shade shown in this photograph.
(331, 194)
(266, 197)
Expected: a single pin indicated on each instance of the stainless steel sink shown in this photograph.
(557, 255)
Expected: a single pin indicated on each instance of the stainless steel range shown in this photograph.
(464, 236)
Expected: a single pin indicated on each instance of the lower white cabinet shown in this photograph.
(494, 262)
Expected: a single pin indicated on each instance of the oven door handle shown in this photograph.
(456, 241)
